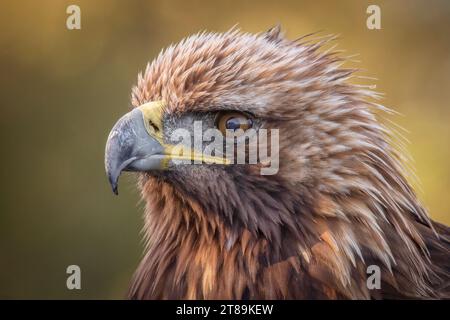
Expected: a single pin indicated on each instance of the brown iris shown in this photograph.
(232, 120)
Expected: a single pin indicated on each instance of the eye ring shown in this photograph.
(233, 120)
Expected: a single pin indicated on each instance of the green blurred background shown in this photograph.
(61, 91)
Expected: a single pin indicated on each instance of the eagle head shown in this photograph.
(300, 213)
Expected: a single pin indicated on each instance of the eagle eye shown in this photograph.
(232, 120)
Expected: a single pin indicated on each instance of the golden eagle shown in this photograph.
(339, 202)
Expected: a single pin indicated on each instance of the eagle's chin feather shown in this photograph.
(339, 204)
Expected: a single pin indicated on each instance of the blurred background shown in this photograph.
(62, 90)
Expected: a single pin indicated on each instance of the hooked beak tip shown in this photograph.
(114, 185)
(115, 171)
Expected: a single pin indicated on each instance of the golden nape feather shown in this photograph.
(338, 206)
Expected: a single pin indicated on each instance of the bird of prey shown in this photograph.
(339, 205)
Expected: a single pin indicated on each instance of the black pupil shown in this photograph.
(235, 123)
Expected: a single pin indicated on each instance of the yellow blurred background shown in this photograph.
(61, 91)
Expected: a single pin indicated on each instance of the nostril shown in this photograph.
(153, 125)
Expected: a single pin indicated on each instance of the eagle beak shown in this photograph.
(135, 143)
